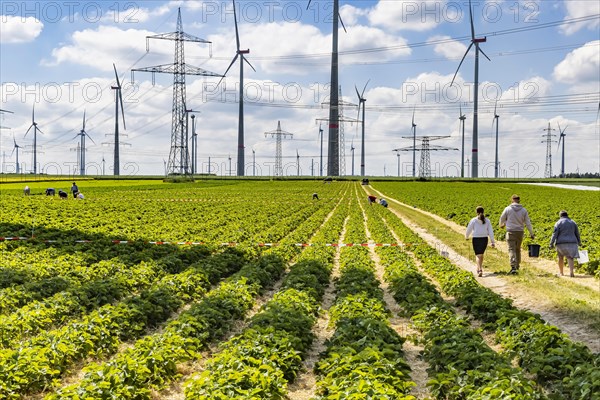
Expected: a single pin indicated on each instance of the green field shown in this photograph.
(142, 291)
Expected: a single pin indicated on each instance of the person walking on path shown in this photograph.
(566, 238)
(481, 228)
(74, 190)
(515, 218)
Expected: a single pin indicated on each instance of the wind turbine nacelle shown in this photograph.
(480, 40)
(247, 51)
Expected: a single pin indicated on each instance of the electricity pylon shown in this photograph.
(278, 134)
(179, 152)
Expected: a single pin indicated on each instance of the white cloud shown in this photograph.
(350, 14)
(407, 14)
(580, 66)
(299, 39)
(450, 49)
(578, 9)
(15, 29)
(99, 48)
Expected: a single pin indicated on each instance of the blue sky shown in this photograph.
(59, 55)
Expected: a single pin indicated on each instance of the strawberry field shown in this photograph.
(456, 201)
(225, 289)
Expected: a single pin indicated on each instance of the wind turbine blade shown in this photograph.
(40, 131)
(117, 76)
(461, 61)
(342, 22)
(472, 25)
(365, 88)
(228, 68)
(479, 48)
(86, 134)
(83, 129)
(495, 107)
(413, 117)
(122, 108)
(31, 126)
(358, 94)
(308, 5)
(460, 110)
(248, 62)
(33, 115)
(237, 35)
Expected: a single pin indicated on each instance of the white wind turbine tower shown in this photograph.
(561, 137)
(16, 148)
(474, 41)
(414, 130)
(462, 118)
(241, 54)
(82, 134)
(361, 102)
(118, 100)
(34, 125)
(496, 120)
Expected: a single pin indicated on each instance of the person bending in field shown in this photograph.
(566, 238)
(372, 199)
(315, 196)
(62, 195)
(383, 202)
(74, 190)
(515, 218)
(26, 191)
(481, 228)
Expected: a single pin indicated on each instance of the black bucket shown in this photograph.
(534, 250)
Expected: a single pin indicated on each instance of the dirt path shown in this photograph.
(543, 265)
(404, 328)
(305, 384)
(521, 299)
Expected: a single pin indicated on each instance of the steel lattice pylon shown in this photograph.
(548, 140)
(278, 134)
(179, 156)
(425, 149)
(425, 165)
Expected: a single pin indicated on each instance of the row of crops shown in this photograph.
(456, 201)
(101, 320)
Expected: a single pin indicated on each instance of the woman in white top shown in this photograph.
(481, 228)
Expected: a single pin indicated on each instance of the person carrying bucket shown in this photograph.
(567, 240)
(515, 218)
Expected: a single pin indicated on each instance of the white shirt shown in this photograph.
(479, 229)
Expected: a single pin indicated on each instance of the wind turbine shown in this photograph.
(333, 150)
(352, 150)
(241, 54)
(321, 162)
(361, 102)
(496, 120)
(561, 136)
(82, 134)
(414, 129)
(118, 100)
(16, 148)
(35, 131)
(297, 163)
(462, 118)
(474, 41)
